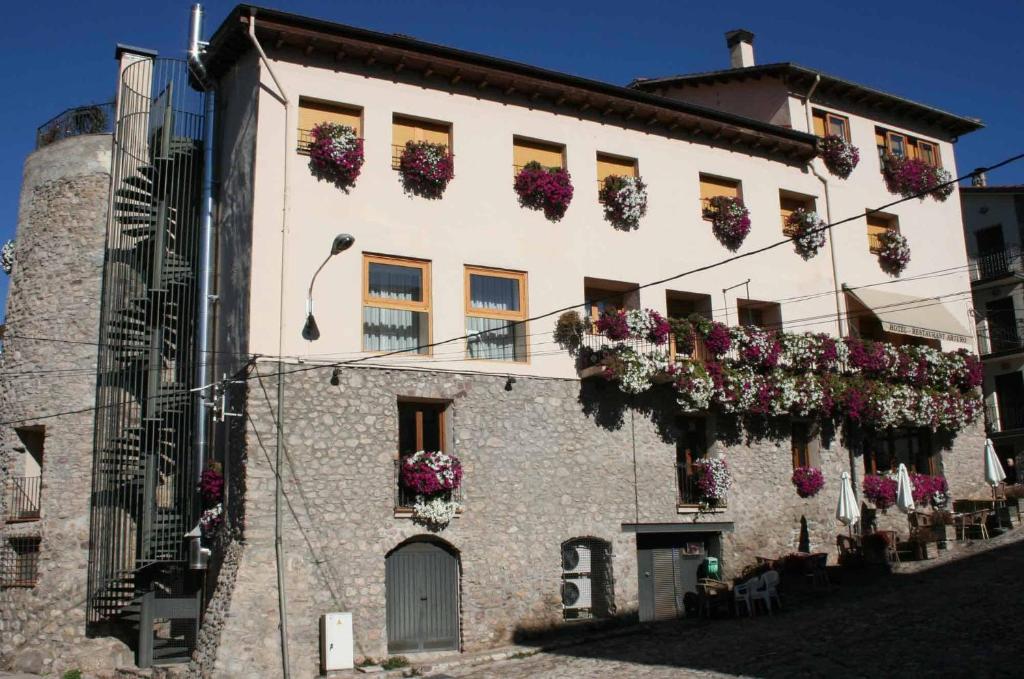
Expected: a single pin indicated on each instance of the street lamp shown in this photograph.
(342, 242)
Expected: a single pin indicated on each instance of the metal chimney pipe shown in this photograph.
(195, 42)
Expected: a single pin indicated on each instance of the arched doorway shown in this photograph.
(422, 587)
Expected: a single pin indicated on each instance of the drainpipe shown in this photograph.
(828, 211)
(202, 371)
(282, 600)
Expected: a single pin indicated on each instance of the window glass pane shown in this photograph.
(406, 429)
(431, 428)
(837, 126)
(500, 341)
(897, 146)
(491, 292)
(392, 281)
(394, 329)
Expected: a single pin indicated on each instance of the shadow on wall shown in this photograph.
(869, 625)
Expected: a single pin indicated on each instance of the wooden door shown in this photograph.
(422, 582)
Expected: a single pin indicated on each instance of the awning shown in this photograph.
(908, 315)
(688, 527)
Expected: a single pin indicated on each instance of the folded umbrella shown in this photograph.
(994, 474)
(904, 490)
(847, 511)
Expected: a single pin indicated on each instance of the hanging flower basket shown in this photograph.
(880, 490)
(544, 188)
(808, 481)
(335, 154)
(625, 201)
(432, 475)
(730, 220)
(913, 177)
(714, 480)
(840, 156)
(7, 257)
(894, 252)
(426, 168)
(806, 229)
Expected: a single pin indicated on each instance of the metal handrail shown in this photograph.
(1000, 337)
(76, 121)
(995, 264)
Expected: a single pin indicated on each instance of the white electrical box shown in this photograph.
(336, 641)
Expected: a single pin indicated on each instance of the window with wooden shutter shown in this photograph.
(313, 112)
(877, 225)
(608, 166)
(405, 129)
(827, 123)
(928, 152)
(530, 150)
(800, 443)
(789, 203)
(711, 187)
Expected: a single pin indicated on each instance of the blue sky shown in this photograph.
(963, 58)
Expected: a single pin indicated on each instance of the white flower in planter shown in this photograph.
(438, 510)
(7, 257)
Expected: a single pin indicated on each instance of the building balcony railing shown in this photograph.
(23, 498)
(596, 341)
(406, 498)
(92, 119)
(1001, 338)
(1004, 418)
(996, 264)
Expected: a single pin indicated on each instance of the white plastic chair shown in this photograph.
(741, 595)
(767, 591)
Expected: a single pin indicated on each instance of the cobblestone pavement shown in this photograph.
(962, 618)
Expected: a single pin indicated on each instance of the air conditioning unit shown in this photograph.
(576, 593)
(575, 559)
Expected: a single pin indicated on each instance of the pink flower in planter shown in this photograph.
(335, 154)
(808, 481)
(430, 472)
(880, 490)
(426, 168)
(544, 188)
(730, 220)
(839, 155)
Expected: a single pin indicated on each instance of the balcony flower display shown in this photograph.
(7, 257)
(928, 489)
(544, 188)
(713, 480)
(645, 325)
(432, 475)
(894, 254)
(335, 154)
(808, 481)
(913, 177)
(569, 331)
(211, 490)
(880, 490)
(625, 201)
(839, 155)
(730, 220)
(807, 231)
(757, 347)
(426, 168)
(694, 386)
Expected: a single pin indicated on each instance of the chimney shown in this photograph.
(741, 48)
(979, 178)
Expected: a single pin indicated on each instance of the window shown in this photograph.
(608, 297)
(529, 150)
(19, 562)
(24, 482)
(685, 304)
(312, 113)
(760, 314)
(405, 129)
(495, 301)
(928, 152)
(396, 304)
(711, 187)
(691, 447)
(878, 224)
(827, 123)
(609, 165)
(422, 425)
(588, 585)
(912, 447)
(789, 203)
(802, 439)
(904, 146)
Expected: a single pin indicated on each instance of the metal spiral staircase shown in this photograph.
(144, 494)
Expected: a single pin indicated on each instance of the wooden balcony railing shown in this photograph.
(23, 498)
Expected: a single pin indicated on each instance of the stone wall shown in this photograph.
(544, 460)
(54, 293)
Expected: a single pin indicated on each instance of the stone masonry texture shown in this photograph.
(544, 462)
(55, 293)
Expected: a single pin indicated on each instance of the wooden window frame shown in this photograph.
(423, 306)
(702, 176)
(474, 312)
(936, 160)
(302, 144)
(413, 121)
(442, 421)
(830, 118)
(805, 457)
(686, 459)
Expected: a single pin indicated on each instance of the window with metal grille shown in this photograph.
(19, 563)
(588, 585)
(422, 425)
(691, 449)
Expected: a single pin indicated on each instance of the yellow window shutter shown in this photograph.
(717, 186)
(613, 165)
(526, 151)
(312, 113)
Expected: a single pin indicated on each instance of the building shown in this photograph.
(993, 224)
(434, 327)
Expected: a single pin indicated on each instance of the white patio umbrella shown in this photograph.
(994, 474)
(847, 510)
(904, 490)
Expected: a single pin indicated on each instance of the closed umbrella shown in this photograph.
(904, 490)
(847, 510)
(994, 473)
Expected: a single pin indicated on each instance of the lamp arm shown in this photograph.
(309, 295)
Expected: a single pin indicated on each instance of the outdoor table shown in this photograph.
(712, 594)
(968, 505)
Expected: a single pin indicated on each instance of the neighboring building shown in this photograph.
(994, 231)
(578, 501)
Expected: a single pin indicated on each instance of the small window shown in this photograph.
(529, 150)
(396, 304)
(422, 425)
(800, 440)
(826, 123)
(878, 224)
(691, 448)
(685, 304)
(608, 165)
(896, 144)
(791, 202)
(24, 482)
(608, 297)
(19, 563)
(767, 315)
(912, 447)
(495, 307)
(710, 187)
(588, 585)
(928, 152)
(405, 129)
(312, 113)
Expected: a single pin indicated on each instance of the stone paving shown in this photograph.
(961, 618)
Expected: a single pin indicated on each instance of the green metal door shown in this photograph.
(422, 581)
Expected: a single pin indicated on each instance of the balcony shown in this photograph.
(595, 342)
(689, 496)
(94, 119)
(1001, 338)
(22, 495)
(405, 498)
(996, 264)
(1005, 419)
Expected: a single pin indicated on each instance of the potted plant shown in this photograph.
(808, 481)
(433, 476)
(713, 482)
(426, 168)
(544, 188)
(880, 490)
(625, 201)
(894, 252)
(913, 177)
(839, 155)
(807, 230)
(730, 220)
(335, 154)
